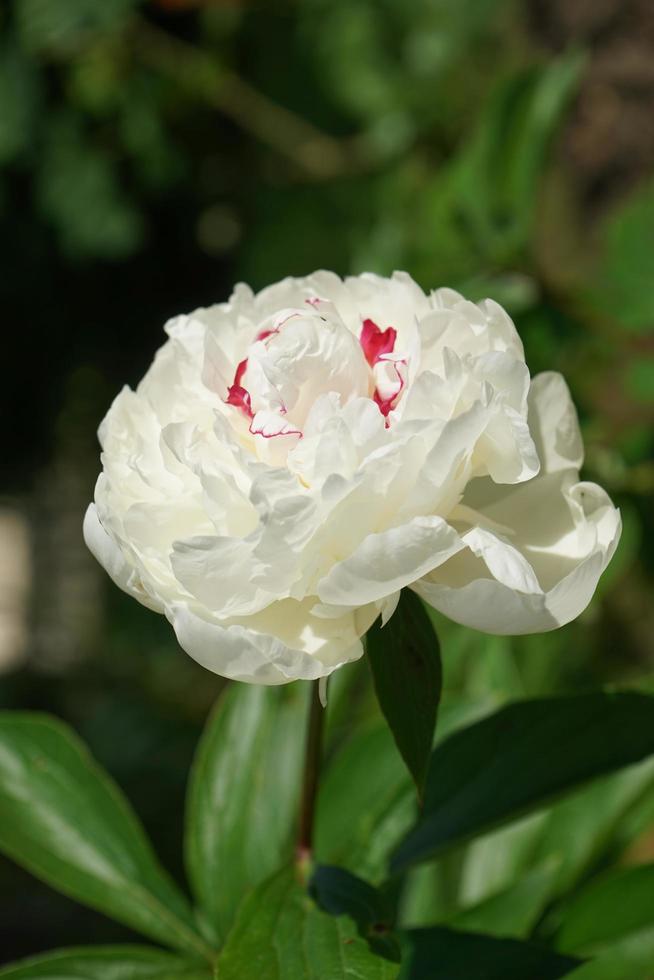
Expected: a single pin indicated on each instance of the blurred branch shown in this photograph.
(319, 155)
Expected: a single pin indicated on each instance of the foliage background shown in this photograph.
(151, 154)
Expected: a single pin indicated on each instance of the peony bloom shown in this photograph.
(294, 458)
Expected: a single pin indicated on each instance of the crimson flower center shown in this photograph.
(378, 347)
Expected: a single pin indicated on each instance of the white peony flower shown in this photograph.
(294, 458)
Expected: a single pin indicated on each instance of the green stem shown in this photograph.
(311, 776)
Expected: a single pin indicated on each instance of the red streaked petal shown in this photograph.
(240, 398)
(387, 401)
(266, 333)
(240, 371)
(270, 425)
(376, 342)
(237, 395)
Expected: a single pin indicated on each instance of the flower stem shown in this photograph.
(311, 775)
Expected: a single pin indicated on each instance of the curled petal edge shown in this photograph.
(386, 562)
(244, 654)
(105, 550)
(491, 606)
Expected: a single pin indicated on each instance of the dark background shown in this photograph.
(152, 154)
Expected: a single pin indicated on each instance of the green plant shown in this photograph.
(264, 906)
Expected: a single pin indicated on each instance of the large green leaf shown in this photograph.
(513, 912)
(609, 908)
(521, 757)
(630, 959)
(280, 934)
(339, 892)
(406, 666)
(577, 831)
(64, 820)
(105, 963)
(446, 954)
(496, 861)
(365, 804)
(572, 837)
(243, 795)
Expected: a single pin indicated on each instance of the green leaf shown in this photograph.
(609, 908)
(575, 835)
(483, 203)
(429, 893)
(622, 285)
(405, 660)
(521, 757)
(280, 934)
(468, 955)
(630, 959)
(105, 963)
(243, 795)
(534, 105)
(578, 830)
(513, 912)
(367, 774)
(63, 819)
(493, 862)
(338, 892)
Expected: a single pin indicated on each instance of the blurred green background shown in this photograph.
(153, 153)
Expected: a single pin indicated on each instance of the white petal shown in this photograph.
(504, 562)
(270, 425)
(218, 572)
(489, 606)
(388, 605)
(553, 423)
(218, 368)
(564, 534)
(385, 562)
(301, 648)
(103, 547)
